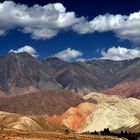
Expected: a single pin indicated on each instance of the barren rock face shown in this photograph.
(126, 89)
(74, 118)
(111, 117)
(110, 111)
(50, 102)
(21, 73)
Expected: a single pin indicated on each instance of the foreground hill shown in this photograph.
(113, 112)
(21, 73)
(20, 127)
(22, 122)
(50, 102)
(11, 134)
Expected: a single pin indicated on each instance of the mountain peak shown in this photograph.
(24, 54)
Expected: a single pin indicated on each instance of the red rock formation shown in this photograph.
(74, 117)
(126, 89)
(2, 94)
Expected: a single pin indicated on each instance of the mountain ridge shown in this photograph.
(20, 73)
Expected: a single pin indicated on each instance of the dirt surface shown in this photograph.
(12, 134)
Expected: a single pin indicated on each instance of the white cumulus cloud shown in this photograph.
(69, 54)
(125, 26)
(42, 22)
(45, 22)
(120, 53)
(30, 50)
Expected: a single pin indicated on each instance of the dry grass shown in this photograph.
(13, 134)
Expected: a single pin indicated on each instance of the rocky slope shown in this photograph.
(50, 102)
(113, 112)
(21, 73)
(74, 117)
(22, 122)
(20, 127)
(126, 89)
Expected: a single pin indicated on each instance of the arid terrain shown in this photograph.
(10, 134)
(21, 73)
(53, 99)
(109, 111)
(20, 127)
(69, 70)
(38, 103)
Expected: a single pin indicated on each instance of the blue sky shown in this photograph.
(84, 32)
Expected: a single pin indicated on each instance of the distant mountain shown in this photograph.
(21, 73)
(97, 75)
(125, 89)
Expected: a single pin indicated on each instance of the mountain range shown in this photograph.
(91, 95)
(82, 115)
(21, 73)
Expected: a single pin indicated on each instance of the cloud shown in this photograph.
(30, 50)
(45, 22)
(69, 54)
(125, 27)
(42, 22)
(120, 53)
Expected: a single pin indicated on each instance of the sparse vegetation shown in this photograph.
(15, 134)
(125, 134)
(66, 131)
